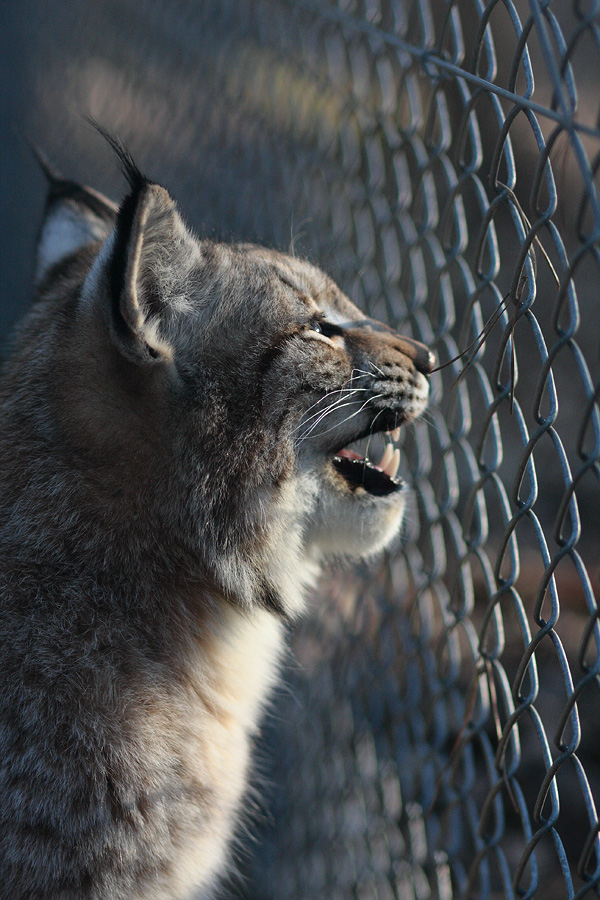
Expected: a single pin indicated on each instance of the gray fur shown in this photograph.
(168, 415)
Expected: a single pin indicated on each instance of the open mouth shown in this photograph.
(378, 479)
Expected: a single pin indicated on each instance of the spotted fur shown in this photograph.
(168, 415)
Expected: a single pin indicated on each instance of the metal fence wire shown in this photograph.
(441, 738)
(447, 743)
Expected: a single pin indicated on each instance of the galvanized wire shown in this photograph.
(449, 743)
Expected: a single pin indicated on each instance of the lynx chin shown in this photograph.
(184, 433)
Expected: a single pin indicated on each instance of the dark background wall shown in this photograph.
(22, 184)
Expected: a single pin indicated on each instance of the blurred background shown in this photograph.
(438, 732)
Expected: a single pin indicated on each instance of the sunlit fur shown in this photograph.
(168, 416)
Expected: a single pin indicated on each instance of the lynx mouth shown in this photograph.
(378, 479)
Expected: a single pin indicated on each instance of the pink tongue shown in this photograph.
(349, 454)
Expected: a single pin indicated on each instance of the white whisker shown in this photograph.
(348, 418)
(342, 398)
(361, 374)
(345, 387)
(376, 417)
(325, 413)
(333, 408)
(317, 417)
(371, 434)
(377, 369)
(428, 416)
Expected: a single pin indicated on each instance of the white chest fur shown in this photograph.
(220, 710)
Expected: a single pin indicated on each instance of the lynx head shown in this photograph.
(213, 402)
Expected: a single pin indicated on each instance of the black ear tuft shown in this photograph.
(128, 165)
(74, 215)
(52, 174)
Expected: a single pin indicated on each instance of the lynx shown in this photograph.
(183, 442)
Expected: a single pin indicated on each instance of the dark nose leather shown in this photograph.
(421, 355)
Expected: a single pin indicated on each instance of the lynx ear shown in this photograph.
(151, 255)
(74, 216)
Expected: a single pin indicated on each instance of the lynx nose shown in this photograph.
(429, 364)
(422, 357)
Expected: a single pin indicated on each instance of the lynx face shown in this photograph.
(230, 390)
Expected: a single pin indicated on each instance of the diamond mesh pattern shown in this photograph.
(448, 741)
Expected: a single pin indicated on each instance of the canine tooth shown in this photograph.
(387, 456)
(392, 467)
(396, 433)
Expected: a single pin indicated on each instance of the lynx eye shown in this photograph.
(327, 329)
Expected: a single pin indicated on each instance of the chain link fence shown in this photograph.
(441, 736)
(452, 729)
